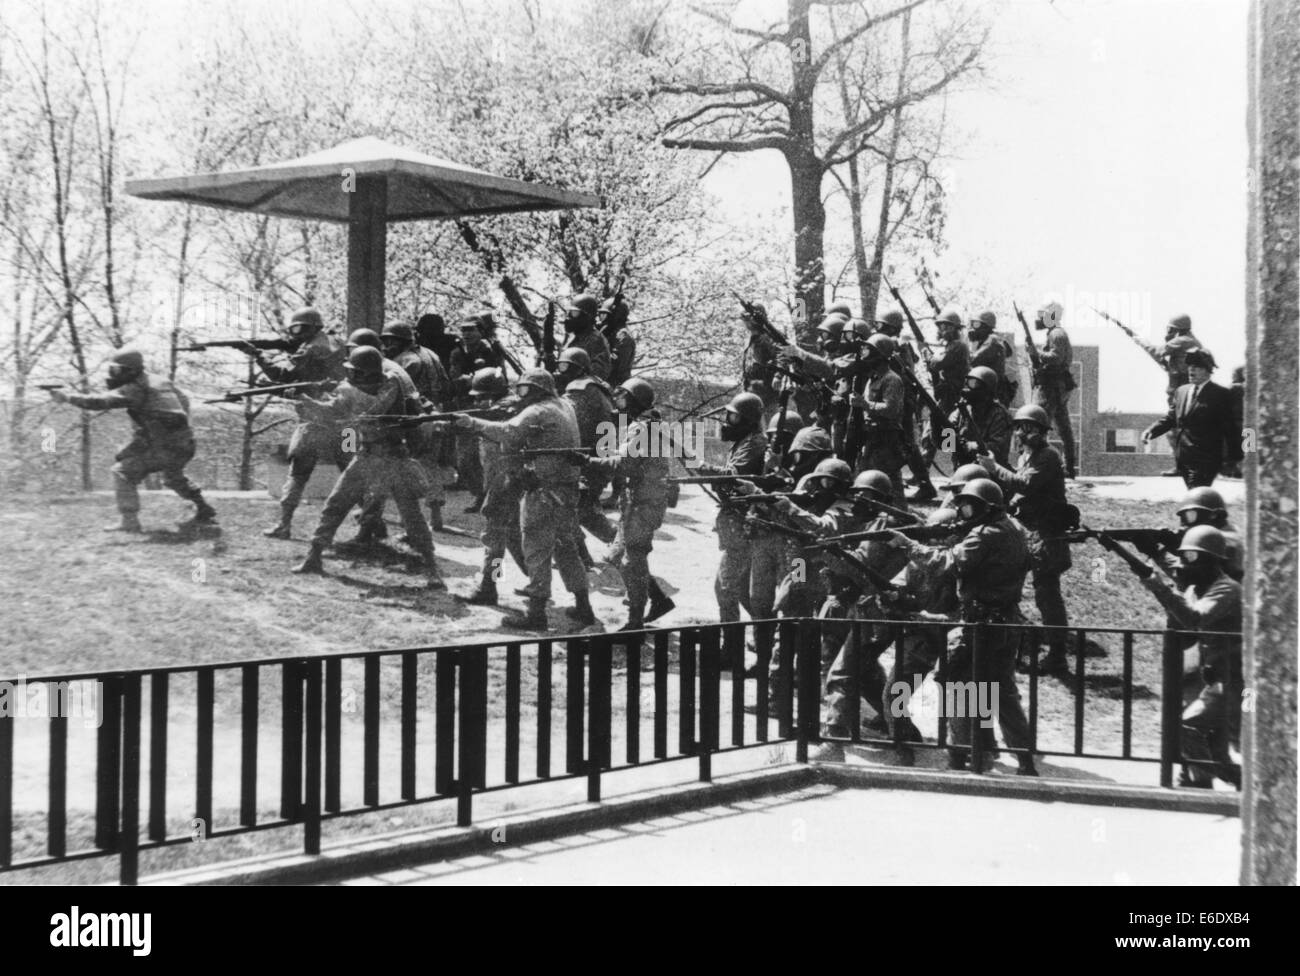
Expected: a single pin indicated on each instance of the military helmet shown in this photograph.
(488, 382)
(835, 470)
(793, 422)
(538, 379)
(891, 322)
(128, 359)
(985, 377)
(984, 490)
(860, 328)
(963, 475)
(1050, 314)
(1206, 539)
(366, 359)
(875, 483)
(1181, 323)
(584, 303)
(578, 357)
(363, 337)
(748, 406)
(985, 319)
(640, 391)
(305, 321)
(1034, 414)
(1202, 499)
(949, 316)
(882, 344)
(833, 325)
(399, 330)
(812, 439)
(841, 307)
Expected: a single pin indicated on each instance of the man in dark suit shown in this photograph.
(1207, 436)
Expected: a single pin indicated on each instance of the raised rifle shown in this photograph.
(286, 390)
(928, 297)
(963, 408)
(757, 315)
(781, 442)
(918, 533)
(1036, 362)
(924, 347)
(250, 346)
(548, 354)
(1159, 361)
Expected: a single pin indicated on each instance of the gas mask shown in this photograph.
(1197, 568)
(119, 375)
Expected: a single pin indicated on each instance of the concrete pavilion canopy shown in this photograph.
(366, 183)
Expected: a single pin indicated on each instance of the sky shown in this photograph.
(1105, 163)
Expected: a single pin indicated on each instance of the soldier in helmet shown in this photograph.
(842, 308)
(580, 324)
(742, 428)
(434, 387)
(548, 513)
(317, 358)
(431, 332)
(990, 563)
(989, 421)
(947, 376)
(502, 492)
(622, 343)
(781, 430)
(382, 464)
(1211, 604)
(1172, 355)
(881, 403)
(161, 437)
(1038, 483)
(472, 354)
(1053, 384)
(1206, 438)
(987, 349)
(644, 464)
(593, 405)
(903, 364)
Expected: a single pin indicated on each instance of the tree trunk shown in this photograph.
(805, 178)
(871, 290)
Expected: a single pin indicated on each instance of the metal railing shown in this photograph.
(455, 722)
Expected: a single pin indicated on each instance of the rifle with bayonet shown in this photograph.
(767, 482)
(1036, 362)
(414, 420)
(917, 533)
(286, 391)
(963, 410)
(762, 497)
(547, 352)
(928, 297)
(574, 455)
(924, 347)
(1159, 361)
(757, 315)
(249, 346)
(1149, 542)
(1111, 544)
(851, 564)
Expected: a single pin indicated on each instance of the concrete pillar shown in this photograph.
(1272, 322)
(367, 253)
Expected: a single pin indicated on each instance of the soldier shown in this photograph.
(842, 308)
(947, 376)
(473, 353)
(990, 421)
(781, 431)
(1211, 604)
(580, 324)
(1040, 505)
(990, 564)
(161, 438)
(987, 349)
(593, 405)
(904, 361)
(734, 585)
(548, 513)
(881, 403)
(622, 343)
(1172, 355)
(642, 460)
(434, 387)
(318, 358)
(1204, 506)
(382, 464)
(1053, 385)
(502, 494)
(431, 331)
(1201, 418)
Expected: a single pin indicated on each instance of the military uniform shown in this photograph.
(622, 356)
(948, 375)
(319, 360)
(989, 352)
(161, 439)
(593, 342)
(1213, 719)
(1039, 482)
(733, 586)
(642, 507)
(464, 364)
(502, 496)
(548, 512)
(593, 407)
(1053, 390)
(992, 423)
(883, 417)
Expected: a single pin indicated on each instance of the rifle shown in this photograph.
(285, 390)
(918, 533)
(1140, 569)
(768, 482)
(782, 439)
(909, 379)
(1147, 541)
(758, 316)
(574, 455)
(249, 346)
(898, 513)
(963, 408)
(857, 386)
(506, 355)
(798, 497)
(548, 339)
(49, 386)
(928, 297)
(856, 567)
(911, 322)
(1036, 371)
(414, 420)
(1132, 335)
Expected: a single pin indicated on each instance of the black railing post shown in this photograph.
(312, 789)
(446, 671)
(203, 743)
(544, 709)
(7, 789)
(370, 739)
(290, 740)
(109, 766)
(733, 652)
(129, 832)
(763, 640)
(661, 695)
(249, 691)
(687, 740)
(789, 634)
(410, 716)
(976, 634)
(473, 731)
(599, 652)
(1171, 706)
(710, 687)
(158, 756)
(575, 709)
(808, 667)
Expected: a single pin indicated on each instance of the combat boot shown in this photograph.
(660, 602)
(485, 595)
(1025, 766)
(281, 529)
(435, 516)
(533, 619)
(130, 522)
(581, 613)
(433, 579)
(203, 511)
(313, 562)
